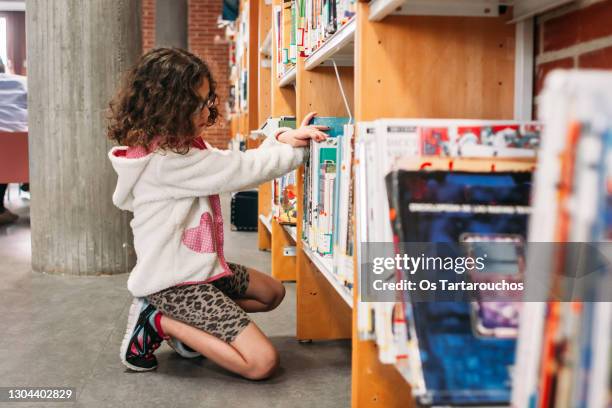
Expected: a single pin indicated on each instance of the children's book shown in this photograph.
(563, 353)
(321, 185)
(284, 189)
(378, 147)
(343, 238)
(459, 367)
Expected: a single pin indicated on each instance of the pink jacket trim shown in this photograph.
(209, 280)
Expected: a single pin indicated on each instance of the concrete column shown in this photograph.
(171, 23)
(77, 53)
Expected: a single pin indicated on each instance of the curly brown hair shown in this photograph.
(159, 100)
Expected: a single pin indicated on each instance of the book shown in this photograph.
(343, 216)
(563, 353)
(383, 146)
(458, 366)
(321, 186)
(322, 19)
(277, 20)
(284, 188)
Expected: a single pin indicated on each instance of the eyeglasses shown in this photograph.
(208, 103)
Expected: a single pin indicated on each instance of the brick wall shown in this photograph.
(207, 41)
(148, 24)
(575, 36)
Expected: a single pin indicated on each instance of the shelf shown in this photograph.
(256, 134)
(266, 221)
(266, 45)
(291, 230)
(340, 47)
(379, 9)
(325, 266)
(288, 78)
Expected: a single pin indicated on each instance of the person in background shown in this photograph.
(13, 118)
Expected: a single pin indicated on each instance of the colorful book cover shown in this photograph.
(323, 175)
(458, 366)
(434, 141)
(284, 208)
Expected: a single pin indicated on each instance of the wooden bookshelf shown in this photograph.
(340, 47)
(264, 58)
(283, 97)
(288, 79)
(292, 231)
(393, 63)
(266, 221)
(472, 61)
(252, 55)
(322, 313)
(263, 43)
(283, 265)
(325, 267)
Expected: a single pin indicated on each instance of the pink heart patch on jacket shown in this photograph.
(201, 238)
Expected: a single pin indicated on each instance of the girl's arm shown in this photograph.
(212, 171)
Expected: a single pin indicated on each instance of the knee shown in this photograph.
(263, 366)
(277, 298)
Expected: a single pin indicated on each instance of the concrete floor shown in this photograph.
(66, 331)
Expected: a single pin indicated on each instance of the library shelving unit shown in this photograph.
(425, 66)
(243, 73)
(263, 43)
(273, 101)
(395, 59)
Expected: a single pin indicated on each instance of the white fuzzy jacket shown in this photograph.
(177, 225)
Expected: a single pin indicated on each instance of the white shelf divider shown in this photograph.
(266, 222)
(292, 231)
(325, 266)
(266, 45)
(379, 9)
(288, 78)
(340, 46)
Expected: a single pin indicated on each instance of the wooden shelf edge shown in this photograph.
(338, 41)
(283, 267)
(266, 45)
(292, 231)
(265, 220)
(325, 267)
(288, 78)
(379, 9)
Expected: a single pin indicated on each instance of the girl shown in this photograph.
(185, 290)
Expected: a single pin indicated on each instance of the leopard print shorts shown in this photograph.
(208, 306)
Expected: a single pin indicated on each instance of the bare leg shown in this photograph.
(263, 294)
(250, 355)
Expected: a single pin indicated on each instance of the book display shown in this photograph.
(411, 159)
(395, 157)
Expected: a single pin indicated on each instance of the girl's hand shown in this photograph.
(299, 137)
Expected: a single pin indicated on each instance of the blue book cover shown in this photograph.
(325, 155)
(459, 367)
(336, 124)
